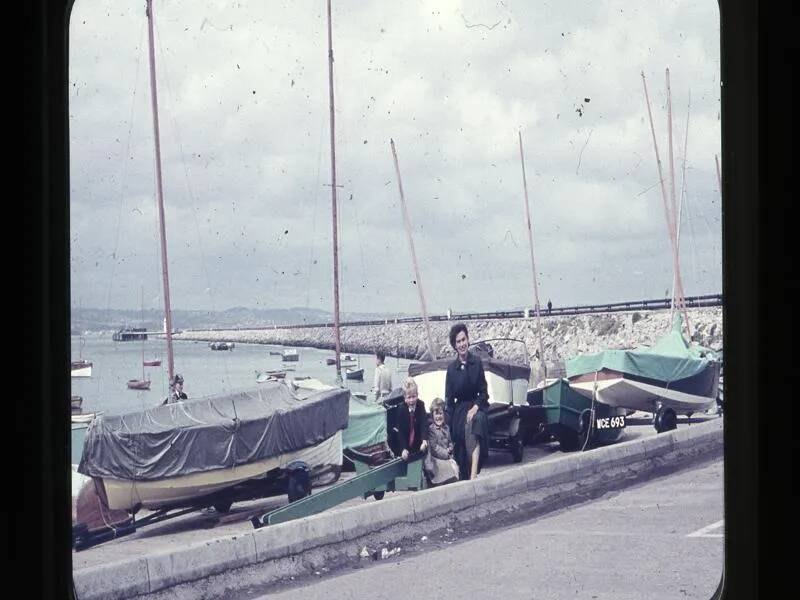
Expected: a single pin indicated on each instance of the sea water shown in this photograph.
(205, 372)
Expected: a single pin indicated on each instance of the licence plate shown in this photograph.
(615, 422)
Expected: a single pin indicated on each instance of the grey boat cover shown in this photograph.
(215, 432)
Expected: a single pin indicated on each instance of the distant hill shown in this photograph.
(98, 319)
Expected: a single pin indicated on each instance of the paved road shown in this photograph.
(658, 540)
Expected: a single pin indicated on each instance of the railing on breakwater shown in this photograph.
(709, 300)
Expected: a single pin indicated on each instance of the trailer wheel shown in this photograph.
(665, 419)
(299, 483)
(378, 495)
(567, 440)
(517, 448)
(584, 434)
(222, 507)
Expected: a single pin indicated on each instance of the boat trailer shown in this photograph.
(393, 475)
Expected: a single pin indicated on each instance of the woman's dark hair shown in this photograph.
(455, 330)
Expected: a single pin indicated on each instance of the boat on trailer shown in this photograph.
(672, 377)
(213, 451)
(510, 416)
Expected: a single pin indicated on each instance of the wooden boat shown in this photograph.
(290, 355)
(143, 383)
(152, 363)
(182, 452)
(138, 384)
(176, 474)
(222, 345)
(274, 353)
(510, 415)
(272, 375)
(330, 361)
(357, 374)
(85, 417)
(671, 377)
(81, 368)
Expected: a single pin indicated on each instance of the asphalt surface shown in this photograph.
(662, 539)
(206, 525)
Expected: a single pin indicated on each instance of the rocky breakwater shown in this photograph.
(562, 336)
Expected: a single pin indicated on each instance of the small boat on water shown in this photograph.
(130, 334)
(221, 345)
(274, 353)
(75, 402)
(138, 384)
(152, 363)
(81, 368)
(271, 375)
(85, 417)
(355, 374)
(330, 361)
(290, 355)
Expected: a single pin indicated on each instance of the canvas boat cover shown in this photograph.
(367, 425)
(215, 432)
(671, 358)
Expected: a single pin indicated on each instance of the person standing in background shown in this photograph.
(382, 384)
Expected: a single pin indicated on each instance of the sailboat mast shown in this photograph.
(680, 203)
(407, 223)
(681, 304)
(336, 335)
(533, 262)
(159, 190)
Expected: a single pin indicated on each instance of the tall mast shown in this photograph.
(679, 294)
(668, 216)
(407, 223)
(159, 191)
(680, 203)
(333, 207)
(533, 263)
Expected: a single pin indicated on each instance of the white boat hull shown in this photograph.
(636, 395)
(82, 372)
(501, 391)
(175, 491)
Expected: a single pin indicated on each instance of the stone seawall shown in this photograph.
(563, 336)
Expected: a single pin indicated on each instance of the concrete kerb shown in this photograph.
(200, 560)
(122, 579)
(322, 537)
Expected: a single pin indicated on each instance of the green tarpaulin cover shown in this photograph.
(366, 425)
(671, 358)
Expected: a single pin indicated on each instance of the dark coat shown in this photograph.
(402, 428)
(463, 388)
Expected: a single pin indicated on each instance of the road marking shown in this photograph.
(704, 532)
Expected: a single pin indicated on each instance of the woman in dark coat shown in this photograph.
(467, 405)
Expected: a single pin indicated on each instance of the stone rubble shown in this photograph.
(563, 336)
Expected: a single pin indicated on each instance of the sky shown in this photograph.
(243, 107)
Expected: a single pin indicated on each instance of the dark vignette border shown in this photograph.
(44, 420)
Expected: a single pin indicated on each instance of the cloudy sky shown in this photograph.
(244, 115)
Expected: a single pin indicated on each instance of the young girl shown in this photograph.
(439, 466)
